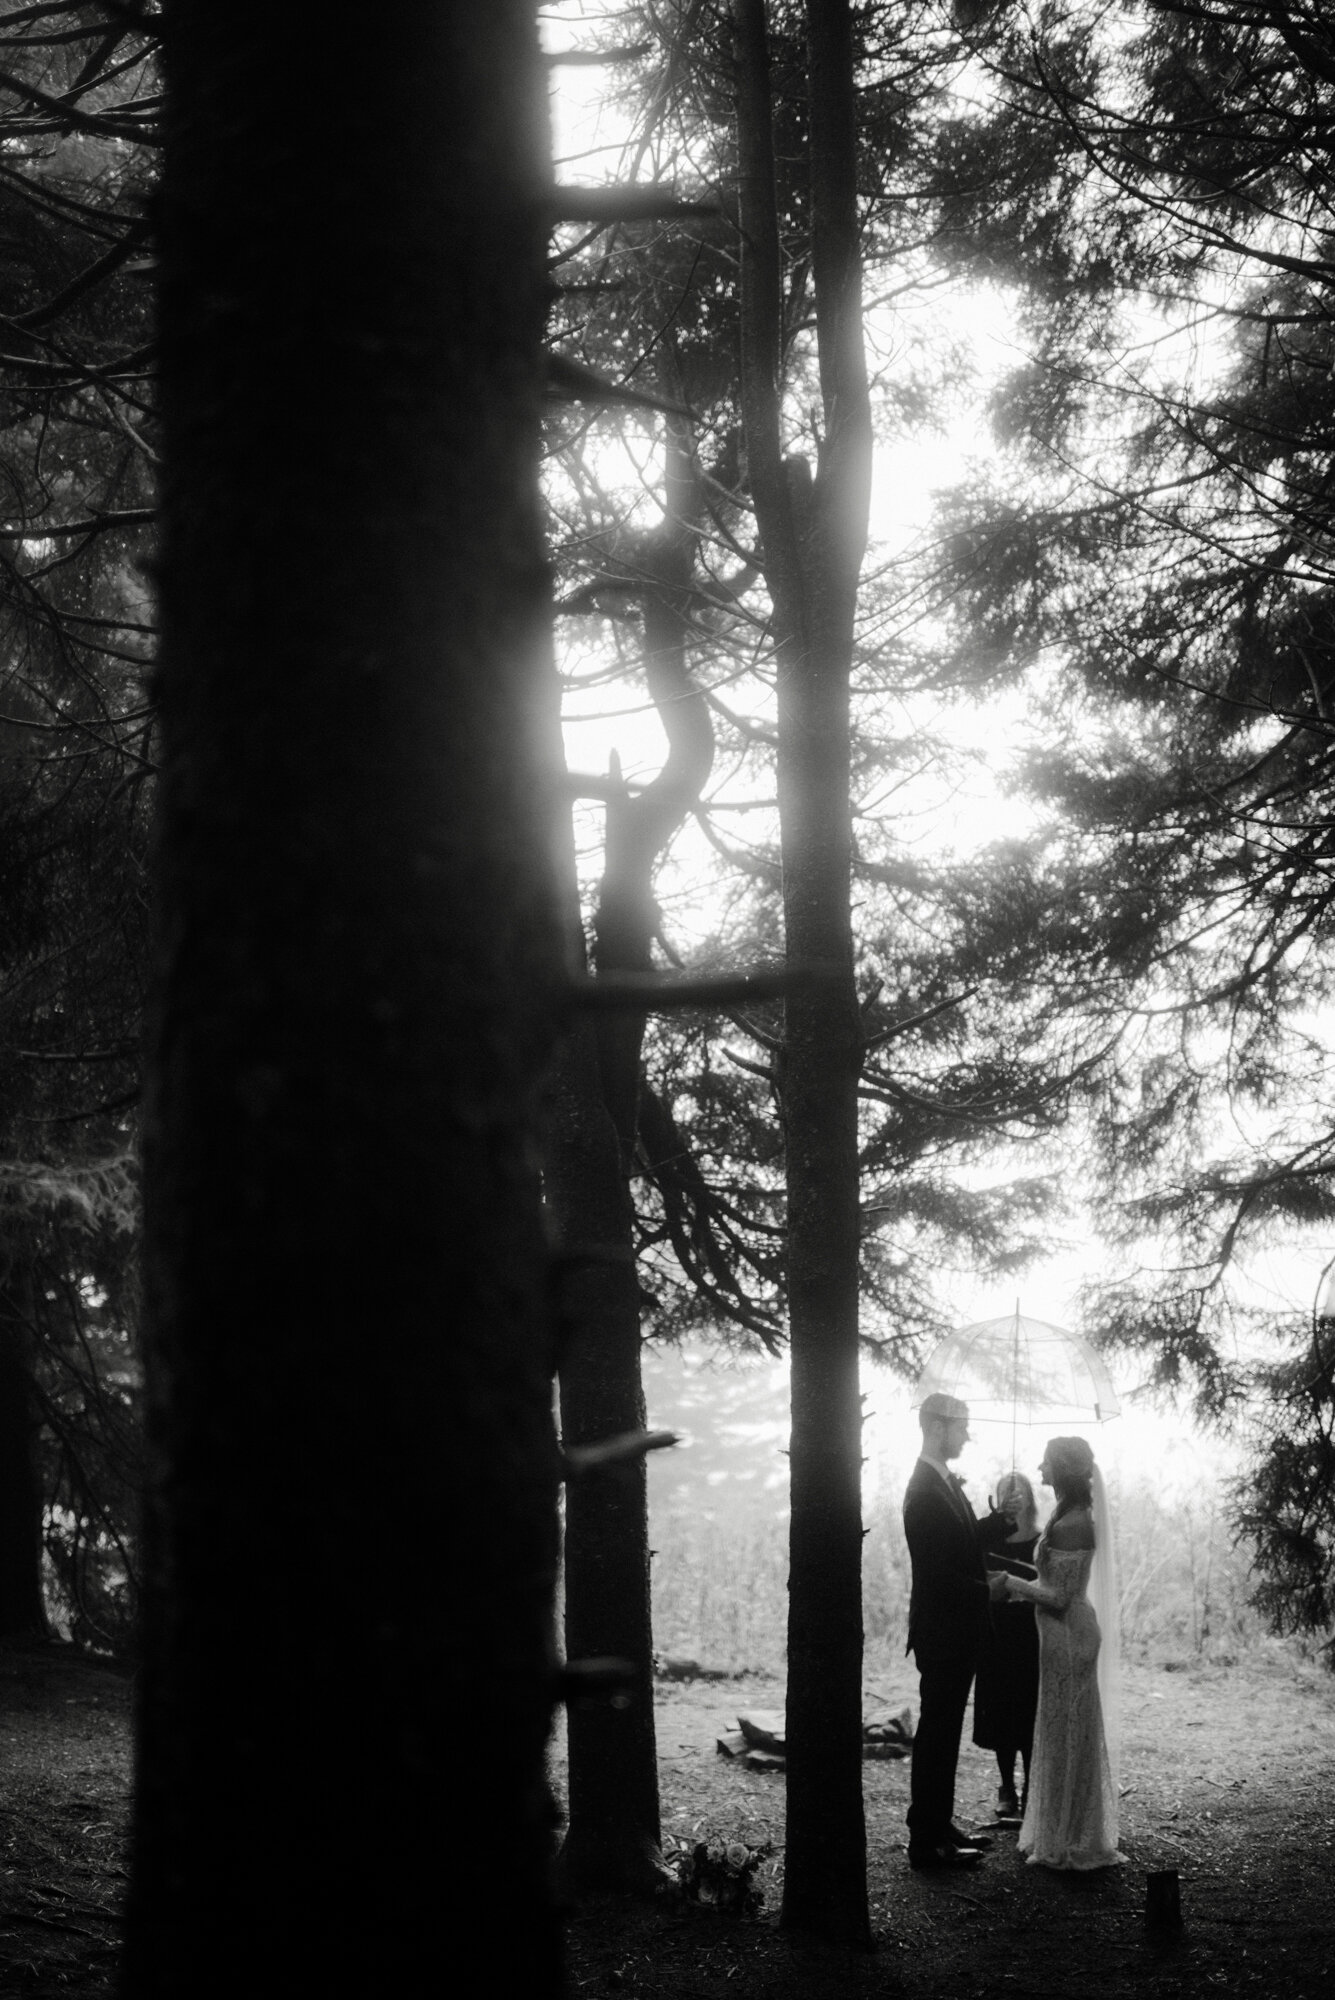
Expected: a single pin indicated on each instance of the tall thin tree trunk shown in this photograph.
(613, 1837)
(613, 1831)
(814, 535)
(22, 1608)
(352, 1537)
(825, 1868)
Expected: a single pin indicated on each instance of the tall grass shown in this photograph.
(720, 1590)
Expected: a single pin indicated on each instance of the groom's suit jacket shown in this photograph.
(948, 1604)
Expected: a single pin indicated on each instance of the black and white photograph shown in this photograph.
(667, 999)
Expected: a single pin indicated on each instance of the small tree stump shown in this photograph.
(1163, 1900)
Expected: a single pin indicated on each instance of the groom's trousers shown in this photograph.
(943, 1695)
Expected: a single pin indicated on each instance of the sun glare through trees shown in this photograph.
(1087, 693)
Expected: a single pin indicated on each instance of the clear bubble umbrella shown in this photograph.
(1021, 1372)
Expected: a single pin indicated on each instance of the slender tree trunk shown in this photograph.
(613, 1832)
(613, 1837)
(22, 1609)
(347, 1679)
(825, 1868)
(814, 535)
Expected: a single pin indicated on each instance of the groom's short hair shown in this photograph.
(940, 1408)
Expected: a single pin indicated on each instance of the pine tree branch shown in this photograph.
(96, 524)
(68, 117)
(596, 58)
(88, 280)
(608, 205)
(571, 381)
(657, 995)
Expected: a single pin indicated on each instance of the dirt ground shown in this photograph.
(1229, 1778)
(64, 1804)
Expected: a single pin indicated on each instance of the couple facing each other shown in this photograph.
(1070, 1815)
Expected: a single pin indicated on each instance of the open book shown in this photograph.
(1012, 1565)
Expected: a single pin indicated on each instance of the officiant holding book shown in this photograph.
(1005, 1694)
(949, 1626)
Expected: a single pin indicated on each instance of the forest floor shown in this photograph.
(64, 1812)
(1228, 1778)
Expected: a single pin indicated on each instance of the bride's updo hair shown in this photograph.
(1071, 1463)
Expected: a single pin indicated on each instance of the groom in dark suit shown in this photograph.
(948, 1624)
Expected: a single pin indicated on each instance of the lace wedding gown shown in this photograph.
(1071, 1818)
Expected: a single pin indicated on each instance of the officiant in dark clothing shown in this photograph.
(1005, 1692)
(949, 1623)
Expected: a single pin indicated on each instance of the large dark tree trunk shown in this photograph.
(347, 1677)
(814, 535)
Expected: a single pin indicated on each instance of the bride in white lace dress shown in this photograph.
(1071, 1818)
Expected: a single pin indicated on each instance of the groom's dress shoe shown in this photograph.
(982, 1841)
(943, 1856)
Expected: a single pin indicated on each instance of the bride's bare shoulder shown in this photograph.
(1074, 1530)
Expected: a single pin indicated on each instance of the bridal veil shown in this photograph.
(1105, 1597)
